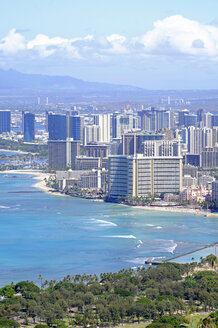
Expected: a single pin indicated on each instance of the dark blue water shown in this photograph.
(55, 236)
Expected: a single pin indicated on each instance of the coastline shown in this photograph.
(175, 210)
(15, 151)
(41, 184)
(37, 175)
(167, 209)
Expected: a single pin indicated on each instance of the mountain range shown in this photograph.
(12, 81)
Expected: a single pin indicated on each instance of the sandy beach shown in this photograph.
(172, 210)
(15, 151)
(175, 210)
(42, 177)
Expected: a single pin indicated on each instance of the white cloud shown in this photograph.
(12, 43)
(183, 36)
(174, 37)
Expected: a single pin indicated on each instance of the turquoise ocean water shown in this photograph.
(56, 236)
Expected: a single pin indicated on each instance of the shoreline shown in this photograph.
(176, 210)
(37, 175)
(15, 151)
(41, 184)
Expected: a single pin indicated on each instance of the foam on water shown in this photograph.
(104, 223)
(122, 236)
(34, 232)
(158, 227)
(172, 248)
(2, 206)
(139, 244)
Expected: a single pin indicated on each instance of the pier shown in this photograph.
(155, 262)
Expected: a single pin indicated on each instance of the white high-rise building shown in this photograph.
(91, 134)
(141, 176)
(207, 119)
(194, 140)
(207, 137)
(104, 121)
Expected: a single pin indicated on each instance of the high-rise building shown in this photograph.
(214, 120)
(215, 136)
(144, 120)
(141, 176)
(91, 134)
(207, 119)
(190, 120)
(57, 126)
(209, 157)
(63, 153)
(28, 126)
(75, 127)
(5, 121)
(101, 151)
(162, 148)
(207, 137)
(104, 122)
(194, 140)
(132, 142)
(215, 191)
(154, 119)
(200, 114)
(121, 123)
(182, 114)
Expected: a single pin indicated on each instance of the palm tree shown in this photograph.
(40, 277)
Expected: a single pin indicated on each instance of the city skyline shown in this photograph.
(155, 46)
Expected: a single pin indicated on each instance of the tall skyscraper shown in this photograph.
(182, 114)
(200, 114)
(57, 126)
(91, 134)
(28, 126)
(104, 121)
(207, 120)
(5, 121)
(194, 140)
(62, 153)
(75, 126)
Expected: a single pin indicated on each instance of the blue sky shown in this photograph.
(158, 44)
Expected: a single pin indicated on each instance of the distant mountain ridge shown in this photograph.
(12, 80)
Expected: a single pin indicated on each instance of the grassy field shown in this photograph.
(133, 325)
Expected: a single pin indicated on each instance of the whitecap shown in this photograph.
(139, 244)
(104, 223)
(158, 227)
(149, 225)
(2, 206)
(122, 236)
(172, 248)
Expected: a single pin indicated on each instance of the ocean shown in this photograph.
(55, 236)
